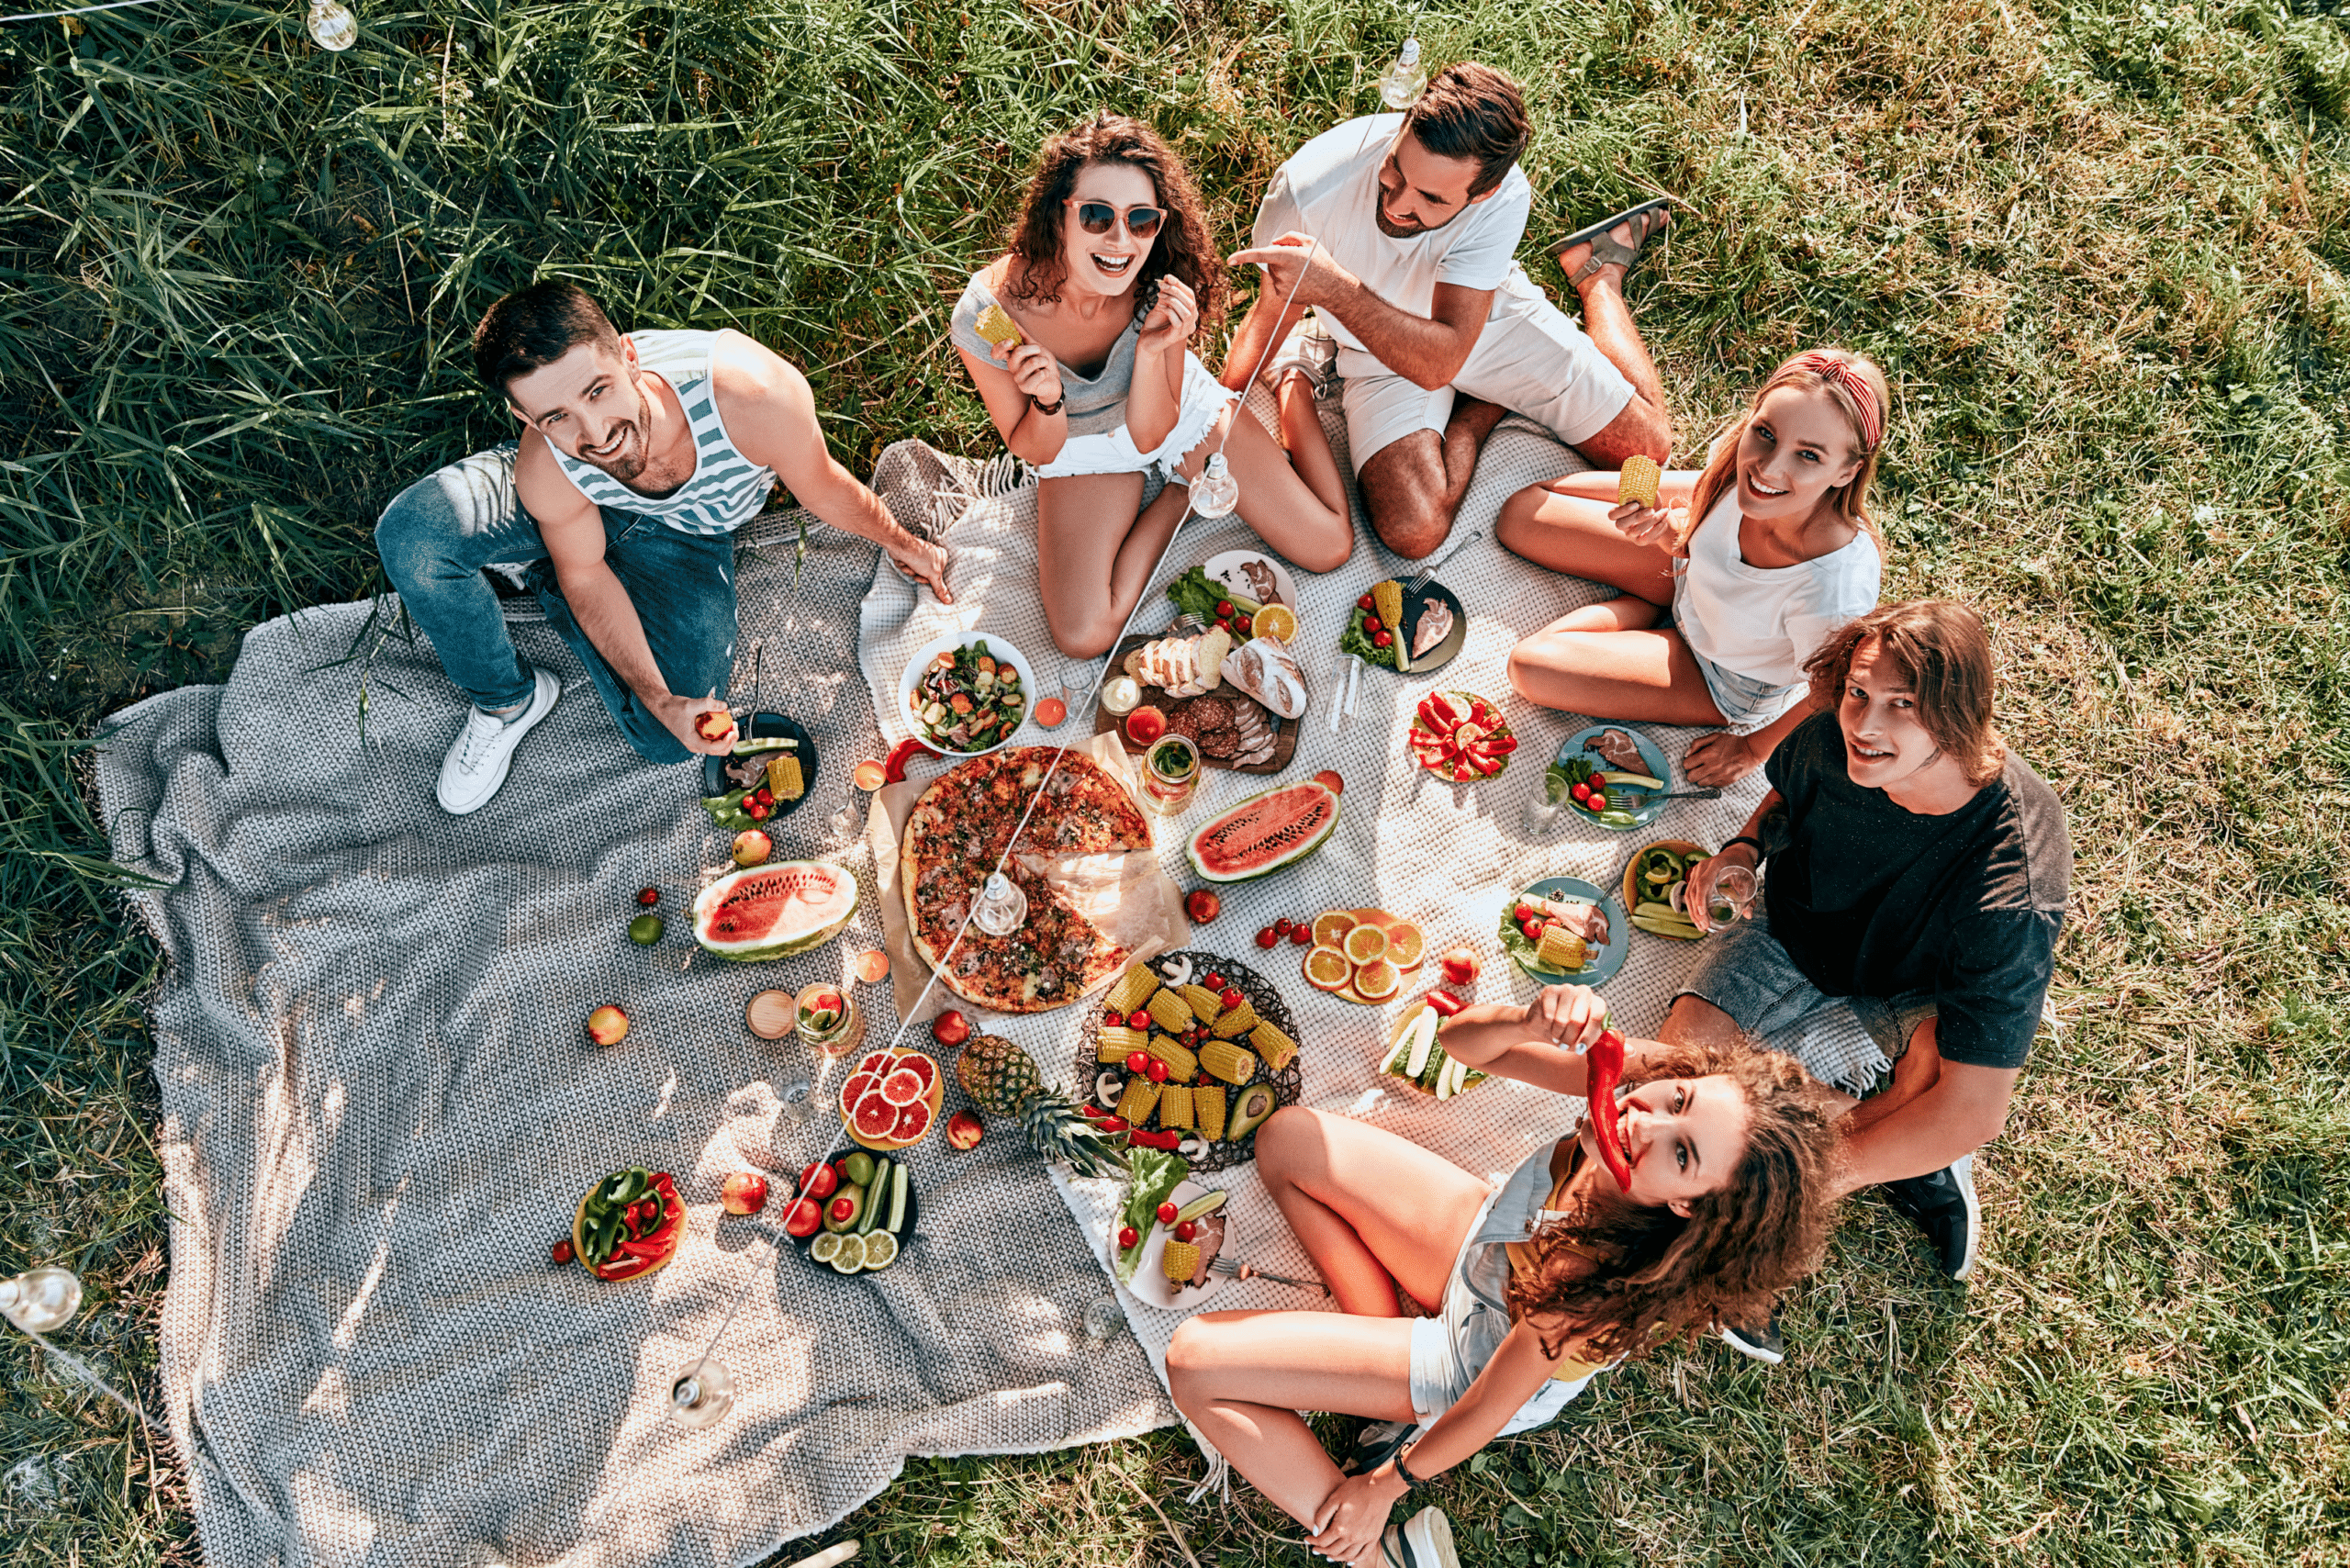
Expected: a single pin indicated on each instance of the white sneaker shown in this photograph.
(475, 766)
(1423, 1540)
(1311, 351)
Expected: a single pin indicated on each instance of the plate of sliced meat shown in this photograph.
(1182, 676)
(1629, 766)
(1565, 931)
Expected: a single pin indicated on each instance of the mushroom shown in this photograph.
(1193, 1148)
(1108, 1088)
(1176, 971)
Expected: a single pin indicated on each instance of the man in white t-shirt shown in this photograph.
(1406, 229)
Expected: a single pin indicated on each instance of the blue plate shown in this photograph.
(1644, 806)
(1596, 970)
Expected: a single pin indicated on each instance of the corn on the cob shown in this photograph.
(1559, 949)
(1227, 1061)
(1388, 599)
(1126, 1041)
(1236, 1023)
(1132, 988)
(1181, 1262)
(1170, 1013)
(783, 782)
(996, 326)
(1638, 481)
(1174, 1105)
(1207, 1111)
(1276, 1047)
(1136, 1105)
(1204, 1003)
(1181, 1065)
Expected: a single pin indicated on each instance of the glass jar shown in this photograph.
(1170, 775)
(829, 1020)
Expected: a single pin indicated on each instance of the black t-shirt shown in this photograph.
(1869, 900)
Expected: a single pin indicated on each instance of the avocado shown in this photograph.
(856, 1195)
(1248, 1111)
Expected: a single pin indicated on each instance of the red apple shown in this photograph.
(806, 1216)
(1201, 905)
(1461, 967)
(752, 848)
(963, 1129)
(950, 1029)
(744, 1192)
(715, 724)
(820, 1181)
(608, 1026)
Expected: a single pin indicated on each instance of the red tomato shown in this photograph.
(1302, 936)
(1582, 793)
(805, 1216)
(648, 897)
(1524, 912)
(820, 1181)
(1370, 624)
(1530, 929)
(1114, 1020)
(1139, 1019)
(843, 1207)
(1382, 639)
(1214, 982)
(1187, 1230)
(1157, 1072)
(1266, 937)
(1128, 1237)
(1246, 625)
(1137, 1061)
(1284, 926)
(1231, 999)
(1166, 1213)
(1224, 608)
(1363, 603)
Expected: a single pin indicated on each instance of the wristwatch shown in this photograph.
(1748, 838)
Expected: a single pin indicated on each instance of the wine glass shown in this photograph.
(1103, 1319)
(1545, 806)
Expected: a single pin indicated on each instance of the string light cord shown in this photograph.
(73, 11)
(1060, 751)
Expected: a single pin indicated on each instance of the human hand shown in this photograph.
(1568, 1017)
(1352, 1520)
(1171, 321)
(1034, 371)
(1719, 758)
(926, 564)
(1699, 889)
(678, 715)
(1293, 257)
(1659, 526)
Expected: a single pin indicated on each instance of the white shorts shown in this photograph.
(1114, 451)
(1531, 359)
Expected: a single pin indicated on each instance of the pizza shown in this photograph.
(961, 826)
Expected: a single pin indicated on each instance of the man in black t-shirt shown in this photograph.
(1916, 882)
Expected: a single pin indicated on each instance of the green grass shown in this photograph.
(2099, 245)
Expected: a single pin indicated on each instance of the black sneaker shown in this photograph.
(1760, 1341)
(1375, 1445)
(1944, 1207)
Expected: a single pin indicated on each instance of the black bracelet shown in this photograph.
(1048, 409)
(1747, 838)
(1411, 1482)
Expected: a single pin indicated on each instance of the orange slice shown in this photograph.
(1327, 968)
(1365, 944)
(1377, 981)
(1330, 928)
(1275, 621)
(1407, 945)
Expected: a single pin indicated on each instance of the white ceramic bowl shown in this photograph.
(1004, 654)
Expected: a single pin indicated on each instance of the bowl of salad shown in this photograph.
(966, 693)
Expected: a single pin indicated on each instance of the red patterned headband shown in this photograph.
(1863, 395)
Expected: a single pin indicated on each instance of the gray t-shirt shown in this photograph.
(1097, 404)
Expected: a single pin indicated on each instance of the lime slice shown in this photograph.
(824, 1248)
(851, 1256)
(881, 1249)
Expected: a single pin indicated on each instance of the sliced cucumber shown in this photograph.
(1682, 929)
(1423, 1034)
(1200, 1207)
(872, 1215)
(1635, 780)
(1403, 1050)
(898, 1200)
(1654, 911)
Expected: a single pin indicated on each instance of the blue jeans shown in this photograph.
(439, 532)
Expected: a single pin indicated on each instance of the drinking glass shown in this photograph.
(1732, 897)
(1170, 775)
(1546, 805)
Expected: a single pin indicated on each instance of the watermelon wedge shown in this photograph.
(775, 911)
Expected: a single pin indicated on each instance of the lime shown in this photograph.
(881, 1249)
(851, 1256)
(646, 929)
(824, 1248)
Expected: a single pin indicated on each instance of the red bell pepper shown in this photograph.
(1444, 1003)
(1605, 1063)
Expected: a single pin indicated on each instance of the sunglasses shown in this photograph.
(1097, 217)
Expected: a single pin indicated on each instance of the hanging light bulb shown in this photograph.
(1405, 80)
(1001, 906)
(42, 1301)
(1215, 492)
(702, 1393)
(333, 26)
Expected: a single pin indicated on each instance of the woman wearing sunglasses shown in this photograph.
(1109, 273)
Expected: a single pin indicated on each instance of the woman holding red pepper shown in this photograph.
(1722, 1201)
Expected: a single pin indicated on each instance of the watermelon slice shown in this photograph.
(1264, 833)
(774, 910)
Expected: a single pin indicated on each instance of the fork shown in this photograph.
(1417, 583)
(1233, 1271)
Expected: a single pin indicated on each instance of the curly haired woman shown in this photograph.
(1109, 274)
(1538, 1286)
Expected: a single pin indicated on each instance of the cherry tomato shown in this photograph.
(1224, 610)
(1166, 1213)
(1266, 937)
(1524, 912)
(1139, 1019)
(1128, 1238)
(1246, 625)
(1137, 1061)
(1214, 982)
(1224, 627)
(755, 811)
(1302, 936)
(1157, 1072)
(765, 797)
(561, 1252)
(1582, 793)
(819, 1182)
(1114, 1020)
(1363, 603)
(1382, 639)
(1284, 926)
(648, 897)
(1530, 929)
(1187, 1230)
(1597, 802)
(1192, 1036)
(843, 1208)
(1230, 999)
(1370, 624)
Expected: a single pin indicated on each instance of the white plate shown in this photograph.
(1149, 1284)
(1004, 654)
(1228, 569)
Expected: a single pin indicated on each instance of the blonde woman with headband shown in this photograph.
(1729, 582)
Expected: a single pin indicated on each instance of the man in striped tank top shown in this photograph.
(639, 457)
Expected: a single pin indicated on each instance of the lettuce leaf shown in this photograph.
(1153, 1174)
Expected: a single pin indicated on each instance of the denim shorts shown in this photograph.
(1848, 1041)
(1746, 704)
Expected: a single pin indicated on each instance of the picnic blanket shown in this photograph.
(379, 1109)
(1445, 855)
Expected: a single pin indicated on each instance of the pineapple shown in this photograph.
(1001, 1079)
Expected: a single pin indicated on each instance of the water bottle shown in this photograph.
(1405, 80)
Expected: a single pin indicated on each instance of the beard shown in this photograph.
(635, 448)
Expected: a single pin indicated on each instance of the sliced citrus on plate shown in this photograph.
(881, 1249)
(1327, 969)
(1277, 621)
(1365, 943)
(1330, 928)
(1377, 981)
(1407, 945)
(851, 1256)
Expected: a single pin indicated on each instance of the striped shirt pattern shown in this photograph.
(727, 489)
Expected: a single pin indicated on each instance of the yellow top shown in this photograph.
(1523, 1258)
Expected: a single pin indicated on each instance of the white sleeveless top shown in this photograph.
(727, 489)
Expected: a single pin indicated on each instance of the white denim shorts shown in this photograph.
(1114, 451)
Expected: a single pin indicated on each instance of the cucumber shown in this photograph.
(1635, 780)
(897, 1200)
(1199, 1208)
(872, 1215)
(1423, 1036)
(1680, 928)
(1442, 1085)
(1458, 1072)
(1396, 1058)
(1655, 911)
